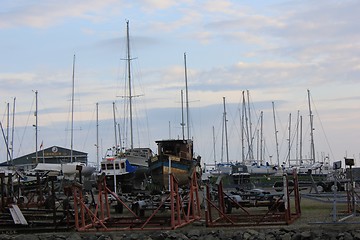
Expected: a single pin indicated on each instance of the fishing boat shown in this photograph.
(118, 172)
(174, 157)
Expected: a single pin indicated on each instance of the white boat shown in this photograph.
(52, 167)
(70, 169)
(67, 169)
(261, 169)
(139, 156)
(119, 173)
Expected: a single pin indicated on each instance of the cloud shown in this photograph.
(156, 5)
(43, 14)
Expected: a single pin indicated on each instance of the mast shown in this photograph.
(12, 131)
(186, 99)
(213, 130)
(222, 140)
(242, 128)
(312, 147)
(261, 137)
(297, 137)
(4, 137)
(72, 112)
(114, 118)
(226, 137)
(251, 154)
(97, 137)
(119, 133)
(36, 127)
(276, 137)
(300, 150)
(129, 78)
(247, 127)
(289, 145)
(257, 144)
(7, 128)
(182, 115)
(169, 130)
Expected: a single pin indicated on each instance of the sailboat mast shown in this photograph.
(72, 112)
(276, 137)
(311, 130)
(12, 131)
(129, 78)
(186, 99)
(251, 154)
(119, 133)
(213, 132)
(182, 115)
(114, 117)
(289, 145)
(297, 138)
(301, 144)
(36, 127)
(243, 127)
(261, 136)
(226, 137)
(7, 127)
(97, 137)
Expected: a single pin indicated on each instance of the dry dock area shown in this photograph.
(195, 210)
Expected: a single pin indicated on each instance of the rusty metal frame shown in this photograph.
(100, 219)
(246, 218)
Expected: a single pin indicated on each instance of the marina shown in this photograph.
(203, 120)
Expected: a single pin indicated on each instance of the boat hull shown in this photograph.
(181, 171)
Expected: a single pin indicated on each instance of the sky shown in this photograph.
(277, 55)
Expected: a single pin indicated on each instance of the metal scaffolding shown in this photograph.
(175, 210)
(279, 211)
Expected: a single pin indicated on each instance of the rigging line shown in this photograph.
(253, 106)
(138, 79)
(4, 115)
(322, 128)
(284, 135)
(254, 133)
(217, 134)
(26, 125)
(49, 117)
(89, 127)
(292, 140)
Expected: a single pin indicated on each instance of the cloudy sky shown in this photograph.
(273, 50)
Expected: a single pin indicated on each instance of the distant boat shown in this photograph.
(175, 157)
(67, 169)
(255, 168)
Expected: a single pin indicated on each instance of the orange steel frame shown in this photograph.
(100, 219)
(224, 219)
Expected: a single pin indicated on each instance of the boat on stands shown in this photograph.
(174, 157)
(118, 171)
